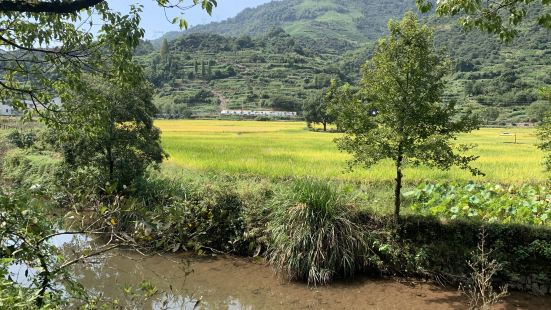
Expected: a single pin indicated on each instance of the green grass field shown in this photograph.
(283, 149)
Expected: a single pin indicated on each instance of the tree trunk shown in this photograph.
(69, 7)
(110, 163)
(398, 189)
(324, 126)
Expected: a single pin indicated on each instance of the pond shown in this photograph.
(236, 283)
(226, 282)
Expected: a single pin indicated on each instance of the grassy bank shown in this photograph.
(287, 149)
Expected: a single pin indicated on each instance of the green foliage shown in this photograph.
(322, 25)
(538, 110)
(526, 204)
(31, 64)
(21, 139)
(398, 112)
(265, 73)
(24, 232)
(164, 49)
(544, 134)
(315, 235)
(199, 214)
(13, 296)
(316, 110)
(209, 219)
(285, 103)
(30, 169)
(497, 17)
(522, 250)
(240, 214)
(111, 130)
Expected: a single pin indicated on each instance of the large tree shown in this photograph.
(398, 112)
(500, 17)
(110, 131)
(47, 45)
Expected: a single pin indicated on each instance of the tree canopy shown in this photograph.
(544, 130)
(500, 17)
(109, 132)
(316, 110)
(48, 45)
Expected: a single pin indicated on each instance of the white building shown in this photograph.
(6, 110)
(258, 113)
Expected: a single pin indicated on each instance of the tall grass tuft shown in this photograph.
(315, 237)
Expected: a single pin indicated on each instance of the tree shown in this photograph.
(109, 132)
(209, 70)
(500, 17)
(398, 113)
(538, 110)
(52, 40)
(203, 70)
(164, 49)
(316, 111)
(490, 114)
(544, 131)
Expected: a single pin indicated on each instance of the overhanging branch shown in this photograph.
(56, 6)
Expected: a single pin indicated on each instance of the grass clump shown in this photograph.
(314, 232)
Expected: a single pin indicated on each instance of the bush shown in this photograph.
(26, 169)
(523, 251)
(264, 118)
(212, 214)
(22, 139)
(314, 234)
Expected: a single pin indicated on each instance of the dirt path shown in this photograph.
(223, 100)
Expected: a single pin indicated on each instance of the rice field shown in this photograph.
(284, 149)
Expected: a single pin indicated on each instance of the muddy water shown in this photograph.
(236, 283)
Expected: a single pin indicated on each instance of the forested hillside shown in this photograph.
(201, 74)
(283, 53)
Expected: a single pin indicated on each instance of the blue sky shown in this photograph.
(155, 22)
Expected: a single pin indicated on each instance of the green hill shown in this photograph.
(334, 24)
(256, 64)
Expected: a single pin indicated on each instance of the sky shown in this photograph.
(156, 23)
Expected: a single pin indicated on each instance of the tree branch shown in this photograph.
(55, 6)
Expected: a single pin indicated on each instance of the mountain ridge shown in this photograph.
(349, 22)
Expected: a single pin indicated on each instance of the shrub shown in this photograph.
(22, 139)
(479, 289)
(264, 118)
(523, 251)
(314, 232)
(197, 215)
(28, 169)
